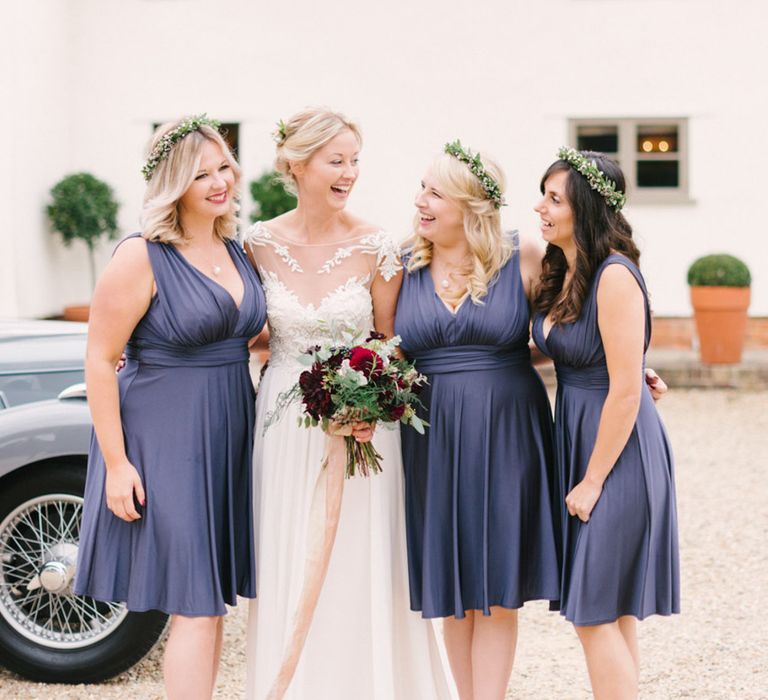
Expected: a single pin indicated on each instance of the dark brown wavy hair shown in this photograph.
(598, 231)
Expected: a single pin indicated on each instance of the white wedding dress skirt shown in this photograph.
(364, 642)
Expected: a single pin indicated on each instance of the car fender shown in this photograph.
(43, 430)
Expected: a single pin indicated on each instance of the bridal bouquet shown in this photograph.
(354, 383)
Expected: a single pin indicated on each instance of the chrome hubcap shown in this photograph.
(38, 558)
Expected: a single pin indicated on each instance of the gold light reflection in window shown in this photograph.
(663, 146)
(648, 146)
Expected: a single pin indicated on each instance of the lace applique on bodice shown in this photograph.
(317, 292)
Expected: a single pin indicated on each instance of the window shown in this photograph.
(652, 153)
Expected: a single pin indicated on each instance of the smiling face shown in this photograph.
(208, 197)
(439, 219)
(330, 174)
(556, 213)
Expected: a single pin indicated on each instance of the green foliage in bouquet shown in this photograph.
(353, 383)
(270, 197)
(719, 271)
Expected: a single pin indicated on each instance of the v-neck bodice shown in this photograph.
(579, 344)
(500, 323)
(191, 310)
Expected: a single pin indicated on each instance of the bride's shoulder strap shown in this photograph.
(383, 245)
(256, 234)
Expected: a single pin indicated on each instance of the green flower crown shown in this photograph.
(491, 187)
(166, 143)
(594, 176)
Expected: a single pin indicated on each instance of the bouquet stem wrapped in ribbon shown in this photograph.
(356, 383)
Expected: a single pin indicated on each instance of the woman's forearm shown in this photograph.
(617, 419)
(104, 404)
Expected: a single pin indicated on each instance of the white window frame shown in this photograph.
(628, 156)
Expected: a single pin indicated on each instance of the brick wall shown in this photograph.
(678, 332)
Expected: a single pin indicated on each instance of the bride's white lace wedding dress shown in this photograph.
(364, 642)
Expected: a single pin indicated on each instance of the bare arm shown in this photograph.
(122, 296)
(621, 320)
(531, 254)
(384, 294)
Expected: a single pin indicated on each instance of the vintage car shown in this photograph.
(47, 633)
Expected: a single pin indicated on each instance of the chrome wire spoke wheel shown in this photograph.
(38, 557)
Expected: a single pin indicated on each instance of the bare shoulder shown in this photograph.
(530, 248)
(280, 224)
(360, 227)
(133, 254)
(617, 284)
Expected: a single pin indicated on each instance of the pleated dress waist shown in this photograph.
(589, 377)
(470, 358)
(155, 353)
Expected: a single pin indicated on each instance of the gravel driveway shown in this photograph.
(715, 650)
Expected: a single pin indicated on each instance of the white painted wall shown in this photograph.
(90, 76)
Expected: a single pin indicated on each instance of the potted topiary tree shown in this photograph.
(83, 208)
(270, 197)
(720, 297)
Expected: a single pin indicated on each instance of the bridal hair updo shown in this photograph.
(303, 134)
(490, 249)
(171, 178)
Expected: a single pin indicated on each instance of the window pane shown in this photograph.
(657, 139)
(231, 134)
(658, 173)
(598, 138)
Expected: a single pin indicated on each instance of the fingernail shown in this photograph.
(143, 501)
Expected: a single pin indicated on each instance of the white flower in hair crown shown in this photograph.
(166, 143)
(594, 176)
(491, 187)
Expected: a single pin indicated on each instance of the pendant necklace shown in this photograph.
(445, 281)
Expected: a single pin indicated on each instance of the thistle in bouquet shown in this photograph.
(352, 383)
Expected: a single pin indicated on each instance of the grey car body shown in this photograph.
(38, 359)
(46, 632)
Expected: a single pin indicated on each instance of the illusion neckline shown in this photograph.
(338, 242)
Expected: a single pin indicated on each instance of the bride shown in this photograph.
(346, 633)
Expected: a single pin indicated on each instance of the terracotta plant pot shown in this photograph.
(721, 322)
(77, 312)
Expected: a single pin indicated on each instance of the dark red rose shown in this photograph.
(315, 397)
(335, 360)
(366, 361)
(396, 412)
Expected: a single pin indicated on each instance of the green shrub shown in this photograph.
(83, 208)
(270, 197)
(719, 271)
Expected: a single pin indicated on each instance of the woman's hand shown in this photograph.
(656, 384)
(582, 499)
(363, 432)
(122, 482)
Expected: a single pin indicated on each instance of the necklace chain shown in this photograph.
(445, 279)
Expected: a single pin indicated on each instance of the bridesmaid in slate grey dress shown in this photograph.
(167, 521)
(614, 462)
(481, 541)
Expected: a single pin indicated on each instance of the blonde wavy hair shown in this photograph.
(489, 248)
(172, 177)
(303, 134)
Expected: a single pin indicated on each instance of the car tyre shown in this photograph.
(68, 646)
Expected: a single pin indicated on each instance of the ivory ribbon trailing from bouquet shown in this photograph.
(323, 523)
